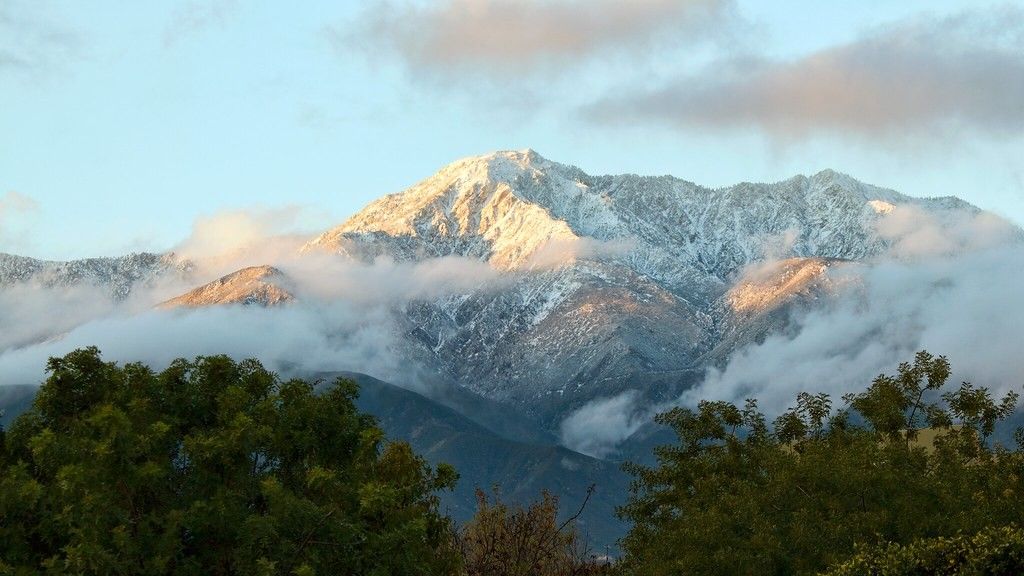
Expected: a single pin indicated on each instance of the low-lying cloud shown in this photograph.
(226, 241)
(920, 77)
(950, 285)
(598, 427)
(345, 318)
(498, 37)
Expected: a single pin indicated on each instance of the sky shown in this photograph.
(125, 125)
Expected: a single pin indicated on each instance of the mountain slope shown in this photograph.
(485, 460)
(255, 285)
(613, 282)
(118, 275)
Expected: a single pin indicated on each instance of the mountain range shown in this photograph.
(585, 288)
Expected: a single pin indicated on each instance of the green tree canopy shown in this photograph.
(899, 461)
(990, 552)
(211, 467)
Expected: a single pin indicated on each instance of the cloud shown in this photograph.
(600, 425)
(16, 203)
(916, 78)
(33, 313)
(225, 241)
(291, 339)
(32, 43)
(348, 314)
(495, 38)
(951, 286)
(193, 17)
(347, 317)
(13, 206)
(557, 253)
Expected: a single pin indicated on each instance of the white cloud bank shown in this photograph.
(952, 285)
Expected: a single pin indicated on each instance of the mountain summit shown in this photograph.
(505, 206)
(652, 283)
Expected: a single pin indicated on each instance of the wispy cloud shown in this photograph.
(917, 77)
(498, 38)
(14, 206)
(32, 44)
(600, 425)
(195, 16)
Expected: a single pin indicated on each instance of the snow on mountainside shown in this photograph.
(580, 320)
(505, 206)
(117, 275)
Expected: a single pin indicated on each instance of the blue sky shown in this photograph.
(122, 123)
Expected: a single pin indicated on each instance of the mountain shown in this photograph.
(607, 283)
(118, 276)
(613, 282)
(595, 287)
(255, 285)
(485, 460)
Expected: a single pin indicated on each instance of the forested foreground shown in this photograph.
(219, 467)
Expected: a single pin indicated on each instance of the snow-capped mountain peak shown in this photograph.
(505, 206)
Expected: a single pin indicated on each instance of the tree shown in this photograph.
(990, 552)
(211, 467)
(735, 496)
(507, 540)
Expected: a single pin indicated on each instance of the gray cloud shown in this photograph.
(494, 38)
(316, 338)
(345, 319)
(918, 77)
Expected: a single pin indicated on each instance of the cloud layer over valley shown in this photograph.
(952, 286)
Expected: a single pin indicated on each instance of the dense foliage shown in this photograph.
(991, 552)
(211, 467)
(898, 462)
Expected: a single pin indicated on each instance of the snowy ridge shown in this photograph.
(505, 206)
(593, 325)
(119, 275)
